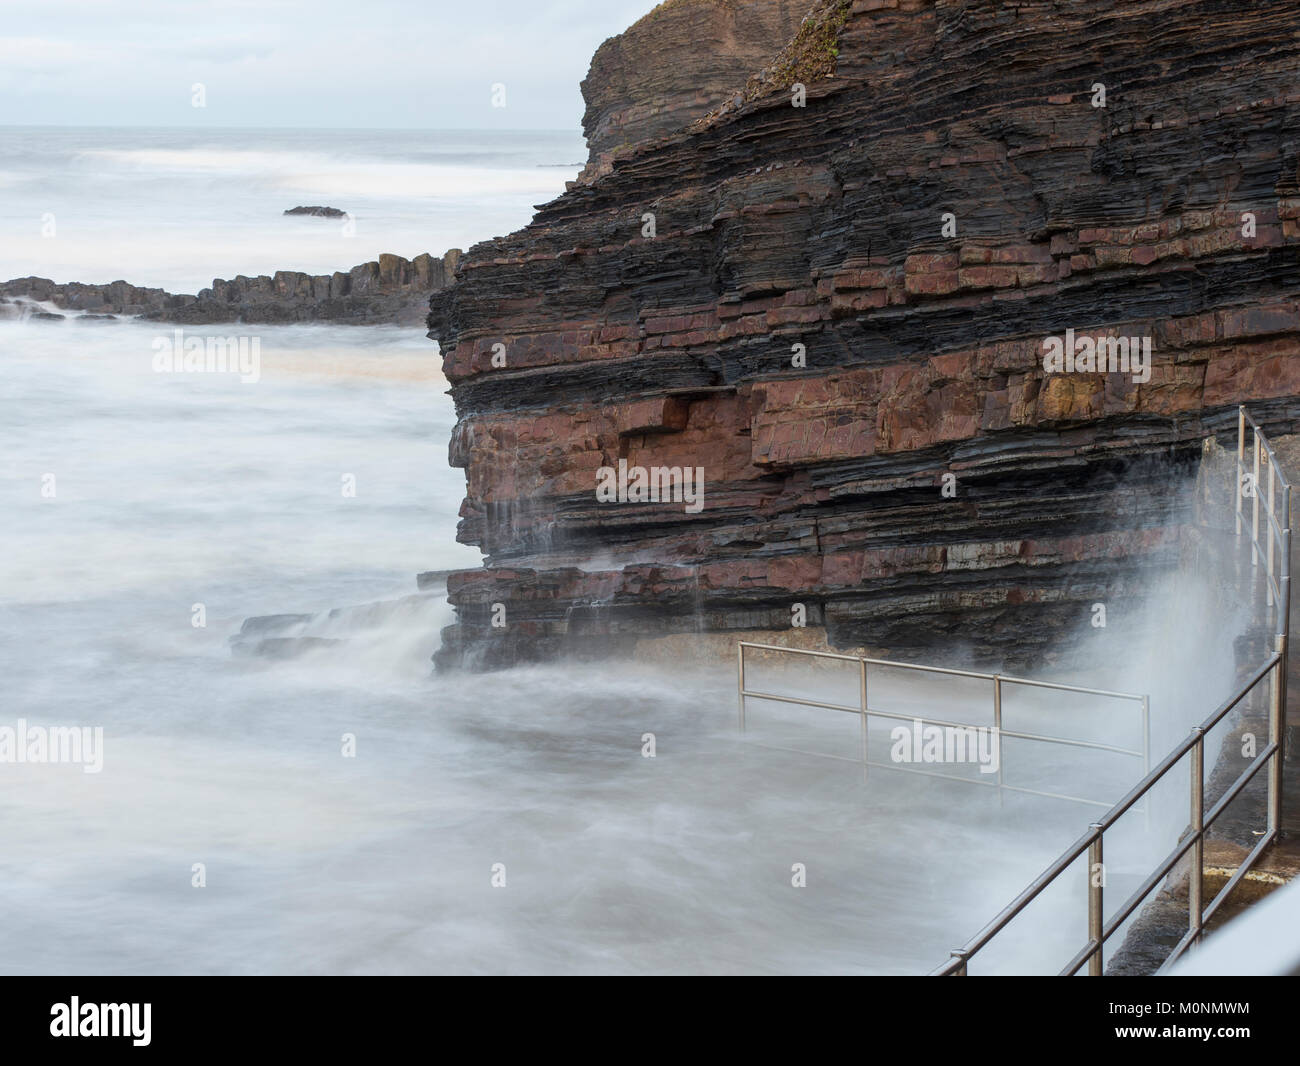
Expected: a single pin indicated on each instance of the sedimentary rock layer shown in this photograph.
(388, 290)
(675, 65)
(838, 304)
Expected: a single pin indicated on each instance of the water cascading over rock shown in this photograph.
(839, 310)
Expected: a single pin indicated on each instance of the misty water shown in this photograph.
(197, 497)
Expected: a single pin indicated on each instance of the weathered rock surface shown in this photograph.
(390, 290)
(822, 226)
(674, 66)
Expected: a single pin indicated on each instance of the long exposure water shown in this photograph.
(346, 810)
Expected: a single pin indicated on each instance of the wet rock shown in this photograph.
(922, 345)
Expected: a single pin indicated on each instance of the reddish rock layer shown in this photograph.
(823, 226)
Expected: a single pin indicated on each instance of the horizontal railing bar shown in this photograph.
(1069, 741)
(800, 651)
(942, 670)
(1242, 870)
(801, 702)
(1071, 688)
(873, 662)
(872, 713)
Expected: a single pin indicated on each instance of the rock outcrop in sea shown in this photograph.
(316, 211)
(389, 290)
(840, 311)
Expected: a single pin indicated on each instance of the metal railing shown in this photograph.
(998, 681)
(1276, 571)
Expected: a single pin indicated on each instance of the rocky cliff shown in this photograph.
(841, 314)
(675, 65)
(387, 290)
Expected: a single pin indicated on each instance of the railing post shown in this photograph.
(965, 962)
(1254, 510)
(1241, 459)
(1096, 876)
(1277, 729)
(1146, 757)
(862, 696)
(1283, 666)
(997, 726)
(740, 682)
(1272, 513)
(1196, 872)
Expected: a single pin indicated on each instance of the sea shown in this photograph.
(346, 809)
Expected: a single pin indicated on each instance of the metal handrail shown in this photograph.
(1275, 669)
(865, 711)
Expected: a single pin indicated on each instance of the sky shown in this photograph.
(429, 64)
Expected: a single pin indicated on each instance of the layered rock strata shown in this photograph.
(677, 63)
(829, 308)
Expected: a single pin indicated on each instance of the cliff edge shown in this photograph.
(834, 294)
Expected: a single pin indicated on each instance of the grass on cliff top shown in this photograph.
(812, 54)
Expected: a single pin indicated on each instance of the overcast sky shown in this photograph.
(356, 63)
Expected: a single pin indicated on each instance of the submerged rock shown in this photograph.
(283, 636)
